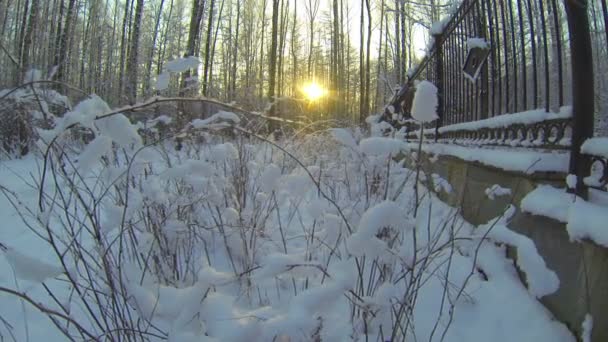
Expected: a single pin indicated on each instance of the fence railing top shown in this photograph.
(455, 19)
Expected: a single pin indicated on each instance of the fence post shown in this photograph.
(439, 81)
(582, 90)
(483, 92)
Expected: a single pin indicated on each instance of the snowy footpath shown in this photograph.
(238, 241)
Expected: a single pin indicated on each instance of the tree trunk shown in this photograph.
(403, 58)
(27, 40)
(150, 58)
(294, 53)
(273, 52)
(379, 64)
(261, 76)
(193, 34)
(62, 51)
(312, 9)
(132, 62)
(235, 54)
(281, 46)
(208, 48)
(367, 56)
(123, 48)
(362, 78)
(397, 57)
(163, 48)
(212, 58)
(336, 84)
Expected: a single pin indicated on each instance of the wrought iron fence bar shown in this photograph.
(453, 78)
(485, 91)
(582, 86)
(439, 81)
(605, 13)
(476, 86)
(461, 83)
(526, 38)
(466, 85)
(463, 11)
(492, 59)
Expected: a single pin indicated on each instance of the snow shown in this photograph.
(384, 214)
(588, 221)
(183, 64)
(344, 137)
(596, 147)
(92, 153)
(223, 152)
(162, 81)
(587, 328)
(268, 256)
(269, 177)
(276, 263)
(89, 113)
(477, 42)
(187, 168)
(424, 106)
(541, 280)
(584, 220)
(164, 119)
(548, 201)
(28, 268)
(120, 129)
(176, 66)
(32, 75)
(497, 191)
(84, 113)
(571, 181)
(438, 27)
(380, 146)
(441, 184)
(526, 161)
(505, 120)
(220, 119)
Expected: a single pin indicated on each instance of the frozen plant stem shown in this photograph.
(418, 166)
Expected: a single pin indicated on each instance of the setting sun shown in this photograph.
(313, 91)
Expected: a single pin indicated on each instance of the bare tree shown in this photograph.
(312, 9)
(132, 62)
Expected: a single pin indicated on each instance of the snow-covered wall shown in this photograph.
(483, 192)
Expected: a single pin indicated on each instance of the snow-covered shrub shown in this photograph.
(22, 110)
(244, 238)
(15, 128)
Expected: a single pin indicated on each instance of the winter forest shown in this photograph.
(249, 51)
(303, 170)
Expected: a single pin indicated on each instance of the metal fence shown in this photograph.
(532, 64)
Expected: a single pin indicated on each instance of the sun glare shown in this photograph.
(313, 91)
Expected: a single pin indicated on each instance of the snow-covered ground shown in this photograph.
(234, 240)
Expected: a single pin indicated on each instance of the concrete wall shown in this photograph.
(581, 267)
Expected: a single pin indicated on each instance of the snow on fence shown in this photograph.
(531, 66)
(597, 150)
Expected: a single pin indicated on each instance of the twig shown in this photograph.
(46, 310)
